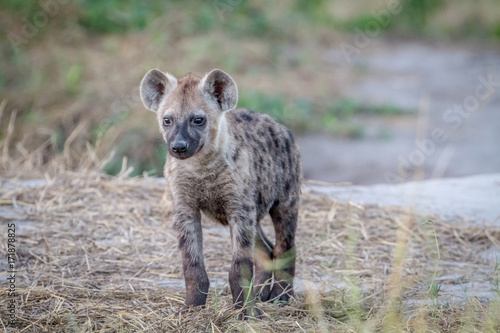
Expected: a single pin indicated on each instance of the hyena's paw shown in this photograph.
(252, 312)
(262, 289)
(187, 309)
(281, 293)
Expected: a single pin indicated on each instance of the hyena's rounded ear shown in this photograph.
(221, 88)
(155, 86)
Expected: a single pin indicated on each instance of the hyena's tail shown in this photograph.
(267, 245)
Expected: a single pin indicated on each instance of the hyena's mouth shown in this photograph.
(181, 156)
(200, 147)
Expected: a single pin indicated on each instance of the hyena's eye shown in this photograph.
(199, 121)
(166, 121)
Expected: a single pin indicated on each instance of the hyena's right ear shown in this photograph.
(155, 86)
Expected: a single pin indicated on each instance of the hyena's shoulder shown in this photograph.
(258, 129)
(271, 145)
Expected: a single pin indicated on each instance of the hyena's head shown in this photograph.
(189, 109)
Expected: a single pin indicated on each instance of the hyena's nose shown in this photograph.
(179, 146)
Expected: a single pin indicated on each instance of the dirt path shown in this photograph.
(89, 244)
(459, 108)
(475, 199)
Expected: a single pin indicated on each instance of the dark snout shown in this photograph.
(183, 149)
(183, 139)
(179, 146)
(180, 149)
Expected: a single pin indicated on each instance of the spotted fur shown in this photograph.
(237, 167)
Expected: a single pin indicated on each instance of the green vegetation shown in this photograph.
(417, 13)
(115, 16)
(305, 115)
(411, 14)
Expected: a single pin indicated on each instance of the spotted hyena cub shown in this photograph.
(235, 166)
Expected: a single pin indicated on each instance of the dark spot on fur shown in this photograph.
(255, 151)
(236, 154)
(293, 202)
(287, 186)
(244, 241)
(287, 146)
(246, 117)
(260, 200)
(283, 164)
(271, 131)
(269, 145)
(243, 218)
(276, 143)
(261, 161)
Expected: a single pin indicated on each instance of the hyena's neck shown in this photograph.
(224, 143)
(222, 139)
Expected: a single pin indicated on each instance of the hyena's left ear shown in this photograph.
(155, 86)
(221, 88)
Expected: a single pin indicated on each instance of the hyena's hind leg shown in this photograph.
(263, 259)
(284, 216)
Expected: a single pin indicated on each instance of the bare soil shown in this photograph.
(97, 253)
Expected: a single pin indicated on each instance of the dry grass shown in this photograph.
(97, 254)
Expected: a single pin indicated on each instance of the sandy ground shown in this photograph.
(476, 199)
(432, 82)
(99, 251)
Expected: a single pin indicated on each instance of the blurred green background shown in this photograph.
(71, 69)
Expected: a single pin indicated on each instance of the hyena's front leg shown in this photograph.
(241, 272)
(187, 223)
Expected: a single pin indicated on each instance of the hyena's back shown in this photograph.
(275, 158)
